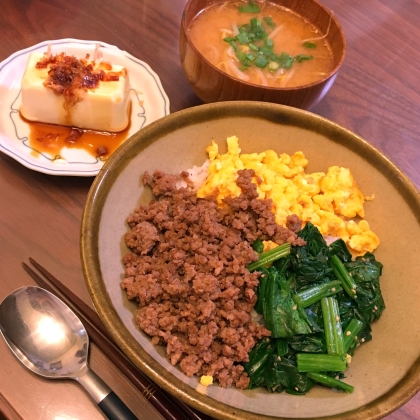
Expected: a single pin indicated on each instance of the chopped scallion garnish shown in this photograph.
(252, 46)
(303, 57)
(269, 43)
(269, 22)
(261, 62)
(242, 38)
(265, 50)
(234, 46)
(309, 44)
(251, 7)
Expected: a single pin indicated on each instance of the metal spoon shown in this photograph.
(49, 339)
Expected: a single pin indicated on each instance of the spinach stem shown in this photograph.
(350, 335)
(330, 382)
(332, 326)
(308, 362)
(309, 296)
(270, 256)
(349, 285)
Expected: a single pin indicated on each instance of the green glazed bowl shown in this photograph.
(385, 371)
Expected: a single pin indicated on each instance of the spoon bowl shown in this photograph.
(50, 340)
(45, 334)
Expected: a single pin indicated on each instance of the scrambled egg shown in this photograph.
(206, 380)
(328, 200)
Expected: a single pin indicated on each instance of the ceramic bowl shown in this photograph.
(385, 371)
(212, 84)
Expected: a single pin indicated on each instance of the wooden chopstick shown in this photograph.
(167, 405)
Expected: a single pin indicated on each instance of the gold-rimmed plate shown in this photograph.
(149, 103)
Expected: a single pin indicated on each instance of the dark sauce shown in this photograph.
(52, 139)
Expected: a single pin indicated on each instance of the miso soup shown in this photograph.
(262, 43)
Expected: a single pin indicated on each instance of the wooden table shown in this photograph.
(376, 95)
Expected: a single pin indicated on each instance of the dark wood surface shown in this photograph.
(376, 95)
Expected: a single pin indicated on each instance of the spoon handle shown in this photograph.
(105, 398)
(115, 409)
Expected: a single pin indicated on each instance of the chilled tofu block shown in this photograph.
(83, 100)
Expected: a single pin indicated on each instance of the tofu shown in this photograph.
(104, 108)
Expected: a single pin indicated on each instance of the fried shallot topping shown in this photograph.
(71, 77)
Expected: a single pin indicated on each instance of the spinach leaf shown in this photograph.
(258, 246)
(309, 263)
(366, 272)
(313, 237)
(258, 361)
(339, 248)
(314, 316)
(348, 310)
(261, 289)
(311, 343)
(282, 374)
(282, 316)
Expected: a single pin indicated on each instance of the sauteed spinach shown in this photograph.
(318, 304)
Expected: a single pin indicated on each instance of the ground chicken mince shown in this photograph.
(187, 271)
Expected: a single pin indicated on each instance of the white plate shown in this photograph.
(14, 132)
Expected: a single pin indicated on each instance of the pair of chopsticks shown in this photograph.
(168, 406)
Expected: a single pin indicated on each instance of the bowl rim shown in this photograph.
(402, 391)
(334, 71)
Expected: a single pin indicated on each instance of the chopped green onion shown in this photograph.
(255, 24)
(310, 45)
(261, 62)
(243, 59)
(242, 38)
(330, 382)
(251, 7)
(265, 50)
(254, 36)
(273, 66)
(275, 58)
(269, 43)
(289, 63)
(286, 60)
(303, 57)
(234, 46)
(269, 22)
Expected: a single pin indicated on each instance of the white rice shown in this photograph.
(330, 239)
(197, 175)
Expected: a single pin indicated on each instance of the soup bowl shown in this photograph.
(211, 84)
